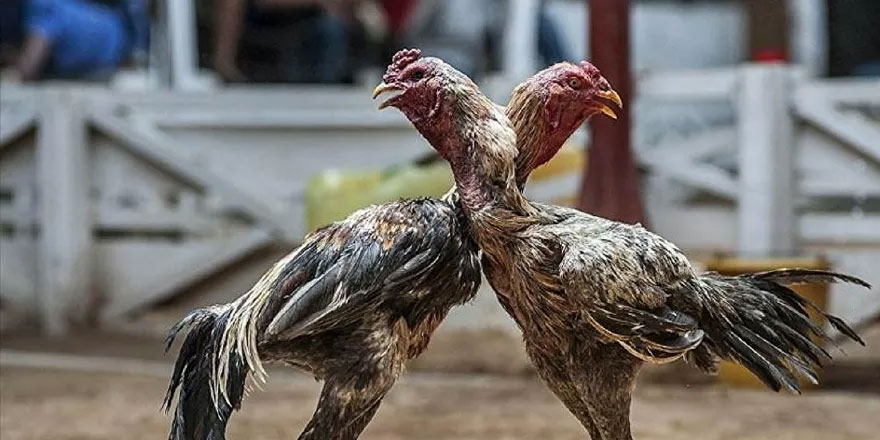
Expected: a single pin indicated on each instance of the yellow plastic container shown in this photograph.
(333, 194)
(732, 374)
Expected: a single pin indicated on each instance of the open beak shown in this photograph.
(384, 88)
(612, 96)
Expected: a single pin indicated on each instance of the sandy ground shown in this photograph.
(64, 405)
(45, 402)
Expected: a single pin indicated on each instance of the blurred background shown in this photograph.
(157, 156)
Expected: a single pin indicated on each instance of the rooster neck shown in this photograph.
(525, 111)
(479, 144)
(541, 127)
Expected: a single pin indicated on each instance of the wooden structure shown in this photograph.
(611, 184)
(111, 202)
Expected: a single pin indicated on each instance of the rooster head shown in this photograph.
(420, 85)
(573, 93)
(552, 104)
(425, 90)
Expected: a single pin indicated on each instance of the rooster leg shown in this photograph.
(559, 381)
(354, 389)
(357, 426)
(605, 378)
(347, 406)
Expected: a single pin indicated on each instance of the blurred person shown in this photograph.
(299, 41)
(854, 37)
(551, 44)
(80, 39)
(11, 31)
(453, 30)
(466, 33)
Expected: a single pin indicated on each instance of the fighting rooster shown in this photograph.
(351, 305)
(595, 299)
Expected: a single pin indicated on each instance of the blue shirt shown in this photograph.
(85, 38)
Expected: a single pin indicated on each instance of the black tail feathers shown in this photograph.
(197, 417)
(759, 323)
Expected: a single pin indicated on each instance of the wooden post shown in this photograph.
(808, 41)
(520, 40)
(610, 186)
(181, 20)
(766, 162)
(65, 237)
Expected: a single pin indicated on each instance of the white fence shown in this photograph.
(110, 203)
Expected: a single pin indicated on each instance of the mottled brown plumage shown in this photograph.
(351, 305)
(595, 298)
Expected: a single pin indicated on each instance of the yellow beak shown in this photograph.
(380, 89)
(612, 96)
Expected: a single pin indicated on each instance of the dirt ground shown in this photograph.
(64, 405)
(40, 400)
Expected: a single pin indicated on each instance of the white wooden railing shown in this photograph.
(113, 202)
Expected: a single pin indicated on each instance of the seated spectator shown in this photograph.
(299, 41)
(454, 30)
(11, 32)
(80, 39)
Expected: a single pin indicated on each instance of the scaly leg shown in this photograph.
(561, 384)
(606, 379)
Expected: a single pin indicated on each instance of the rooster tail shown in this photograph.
(199, 413)
(758, 322)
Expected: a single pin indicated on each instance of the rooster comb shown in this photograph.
(591, 70)
(401, 59)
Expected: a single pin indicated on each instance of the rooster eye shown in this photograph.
(417, 75)
(574, 83)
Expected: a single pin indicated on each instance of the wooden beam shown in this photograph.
(156, 149)
(15, 125)
(687, 85)
(65, 217)
(766, 163)
(840, 228)
(690, 149)
(283, 118)
(680, 162)
(851, 128)
(708, 178)
(200, 265)
(611, 183)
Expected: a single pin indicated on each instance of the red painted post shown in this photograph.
(610, 186)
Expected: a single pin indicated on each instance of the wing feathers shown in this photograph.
(304, 302)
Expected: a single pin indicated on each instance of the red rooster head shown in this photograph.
(429, 92)
(548, 107)
(573, 93)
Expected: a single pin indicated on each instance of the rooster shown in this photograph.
(596, 299)
(351, 305)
